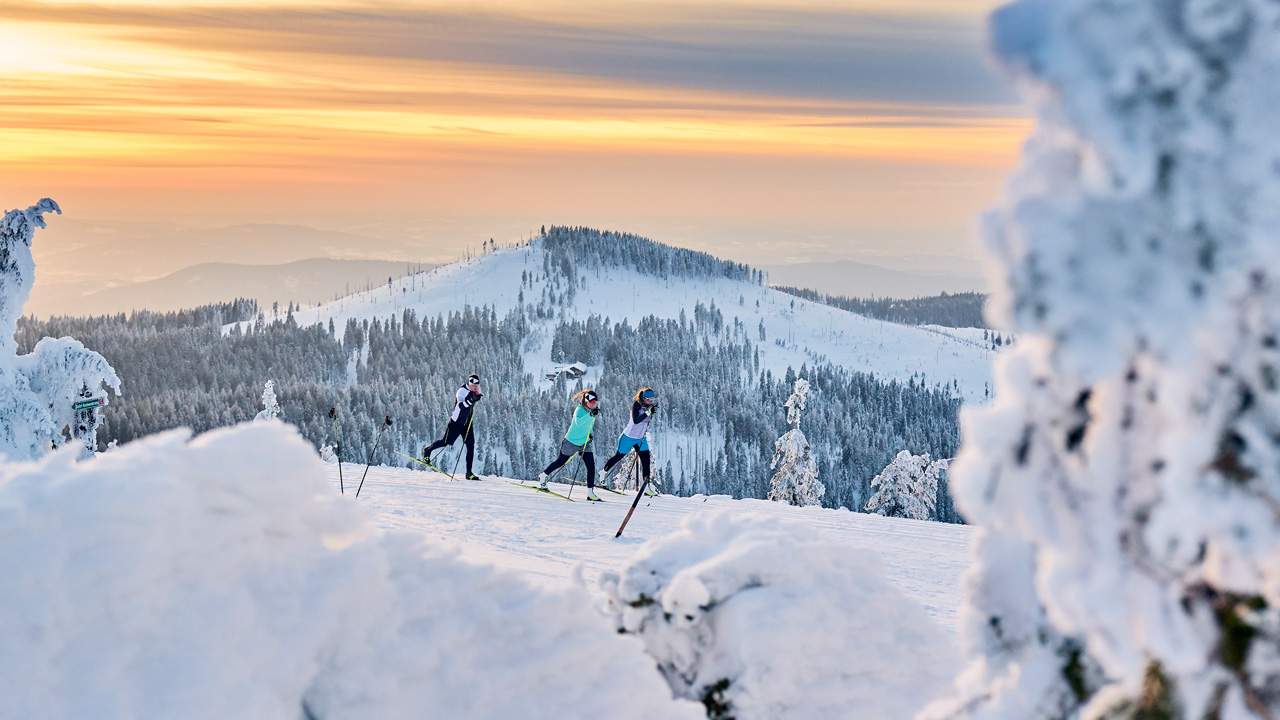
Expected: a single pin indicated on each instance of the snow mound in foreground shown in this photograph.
(759, 617)
(221, 577)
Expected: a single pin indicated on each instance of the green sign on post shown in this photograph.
(88, 404)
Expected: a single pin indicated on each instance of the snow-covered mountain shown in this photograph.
(796, 331)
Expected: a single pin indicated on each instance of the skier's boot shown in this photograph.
(648, 490)
(592, 496)
(542, 481)
(472, 476)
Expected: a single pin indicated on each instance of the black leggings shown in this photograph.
(617, 458)
(452, 432)
(588, 459)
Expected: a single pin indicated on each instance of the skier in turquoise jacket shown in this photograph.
(577, 441)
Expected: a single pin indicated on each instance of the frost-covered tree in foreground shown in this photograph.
(795, 478)
(38, 390)
(1127, 476)
(907, 487)
(270, 406)
(762, 618)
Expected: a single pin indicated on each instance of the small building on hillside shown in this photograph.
(569, 372)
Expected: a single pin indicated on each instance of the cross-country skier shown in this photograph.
(636, 435)
(578, 441)
(460, 425)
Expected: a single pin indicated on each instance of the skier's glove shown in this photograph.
(594, 412)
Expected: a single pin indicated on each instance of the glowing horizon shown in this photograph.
(424, 109)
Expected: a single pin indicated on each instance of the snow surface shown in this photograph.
(810, 332)
(224, 578)
(769, 619)
(550, 541)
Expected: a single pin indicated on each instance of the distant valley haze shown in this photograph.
(140, 266)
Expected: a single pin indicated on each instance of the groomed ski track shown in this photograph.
(548, 539)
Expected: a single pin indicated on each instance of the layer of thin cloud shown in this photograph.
(778, 51)
(262, 104)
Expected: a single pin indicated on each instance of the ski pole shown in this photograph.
(337, 449)
(634, 503)
(651, 424)
(579, 465)
(650, 503)
(386, 423)
(556, 474)
(465, 433)
(575, 477)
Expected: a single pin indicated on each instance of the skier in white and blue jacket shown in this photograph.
(460, 423)
(635, 437)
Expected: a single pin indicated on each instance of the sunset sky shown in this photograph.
(760, 129)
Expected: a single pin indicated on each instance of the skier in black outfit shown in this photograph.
(460, 425)
(635, 436)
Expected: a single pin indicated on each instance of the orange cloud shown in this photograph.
(244, 100)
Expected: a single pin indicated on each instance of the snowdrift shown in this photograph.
(760, 618)
(220, 577)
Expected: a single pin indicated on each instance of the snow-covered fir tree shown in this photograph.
(270, 406)
(795, 478)
(38, 390)
(908, 487)
(1127, 474)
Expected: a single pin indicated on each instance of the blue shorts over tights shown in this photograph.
(625, 444)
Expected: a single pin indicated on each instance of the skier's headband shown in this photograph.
(590, 397)
(648, 394)
(473, 380)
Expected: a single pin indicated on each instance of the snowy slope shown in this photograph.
(550, 540)
(224, 576)
(797, 331)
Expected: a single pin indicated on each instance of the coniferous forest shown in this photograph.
(720, 412)
(959, 310)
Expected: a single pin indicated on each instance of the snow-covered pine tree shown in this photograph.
(1127, 474)
(270, 406)
(907, 487)
(795, 478)
(37, 390)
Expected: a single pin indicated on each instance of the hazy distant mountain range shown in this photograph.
(856, 279)
(304, 281)
(317, 280)
(107, 267)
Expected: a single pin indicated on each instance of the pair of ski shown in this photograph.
(549, 491)
(430, 465)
